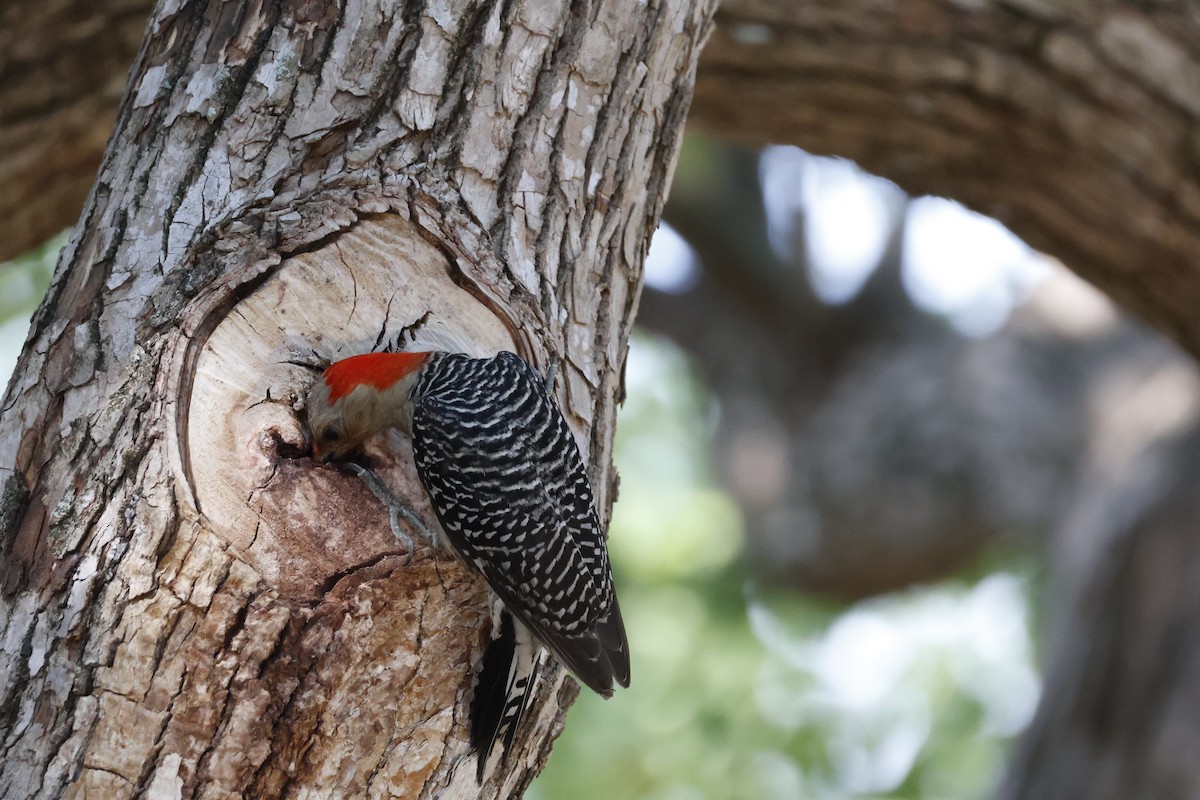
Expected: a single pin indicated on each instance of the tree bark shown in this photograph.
(188, 605)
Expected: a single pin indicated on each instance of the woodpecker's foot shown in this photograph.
(397, 511)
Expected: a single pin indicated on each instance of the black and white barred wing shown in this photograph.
(509, 487)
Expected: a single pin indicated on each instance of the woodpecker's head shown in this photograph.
(359, 396)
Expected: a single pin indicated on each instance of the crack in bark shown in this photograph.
(388, 87)
(93, 768)
(330, 584)
(552, 205)
(10, 702)
(450, 127)
(526, 127)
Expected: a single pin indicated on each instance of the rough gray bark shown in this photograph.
(188, 608)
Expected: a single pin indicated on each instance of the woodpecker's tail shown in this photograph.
(503, 690)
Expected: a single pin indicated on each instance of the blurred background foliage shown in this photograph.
(748, 689)
(23, 282)
(850, 458)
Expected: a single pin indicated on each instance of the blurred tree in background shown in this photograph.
(801, 445)
(875, 453)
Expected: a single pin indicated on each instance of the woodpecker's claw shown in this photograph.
(396, 511)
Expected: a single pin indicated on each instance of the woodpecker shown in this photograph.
(507, 483)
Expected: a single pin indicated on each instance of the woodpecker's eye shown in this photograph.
(330, 433)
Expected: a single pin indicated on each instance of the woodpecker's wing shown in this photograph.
(509, 487)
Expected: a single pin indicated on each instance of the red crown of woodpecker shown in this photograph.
(377, 370)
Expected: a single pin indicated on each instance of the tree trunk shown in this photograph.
(191, 607)
(1119, 717)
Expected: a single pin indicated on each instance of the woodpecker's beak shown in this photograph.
(323, 456)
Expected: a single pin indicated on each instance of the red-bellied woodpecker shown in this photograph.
(508, 485)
